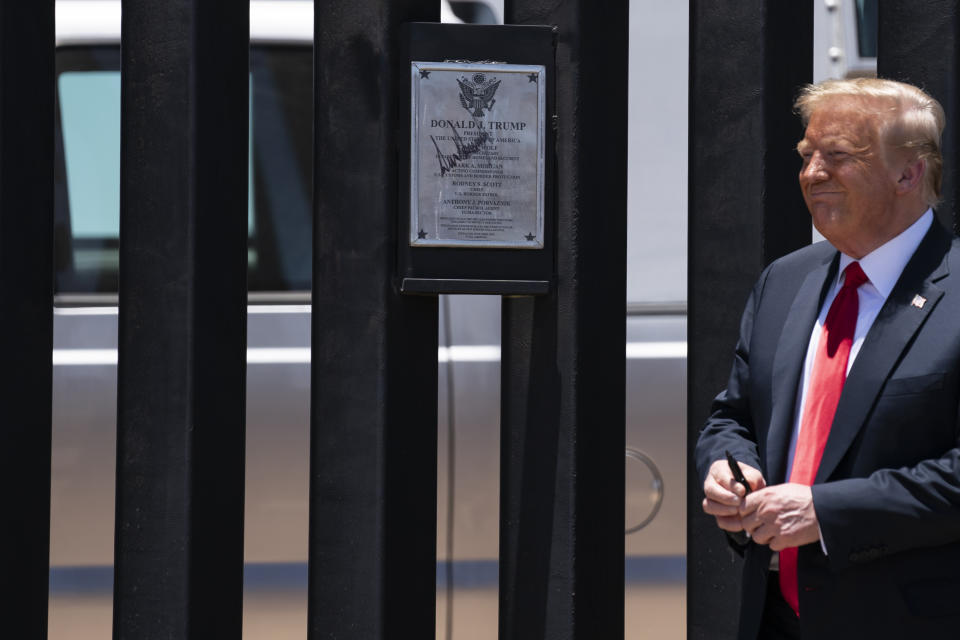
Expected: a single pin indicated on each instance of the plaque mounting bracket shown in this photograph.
(477, 204)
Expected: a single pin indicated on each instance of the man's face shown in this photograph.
(847, 179)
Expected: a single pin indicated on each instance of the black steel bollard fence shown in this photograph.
(373, 452)
(183, 257)
(26, 314)
(747, 60)
(563, 371)
(374, 365)
(917, 43)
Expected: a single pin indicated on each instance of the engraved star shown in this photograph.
(424, 74)
(421, 234)
(531, 77)
(530, 237)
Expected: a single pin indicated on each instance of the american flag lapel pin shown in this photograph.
(918, 301)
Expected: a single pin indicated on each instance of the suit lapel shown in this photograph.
(788, 363)
(884, 344)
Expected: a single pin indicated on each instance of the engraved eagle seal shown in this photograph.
(476, 93)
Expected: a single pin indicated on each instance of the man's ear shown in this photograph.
(912, 175)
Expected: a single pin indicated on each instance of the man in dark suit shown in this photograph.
(842, 404)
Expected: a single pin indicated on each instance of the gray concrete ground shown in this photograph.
(651, 612)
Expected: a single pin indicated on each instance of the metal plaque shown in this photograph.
(477, 155)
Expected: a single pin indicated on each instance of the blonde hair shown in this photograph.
(912, 119)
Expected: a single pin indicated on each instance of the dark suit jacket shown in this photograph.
(887, 493)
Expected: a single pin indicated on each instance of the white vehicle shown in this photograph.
(85, 339)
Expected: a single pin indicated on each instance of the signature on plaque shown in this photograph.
(464, 151)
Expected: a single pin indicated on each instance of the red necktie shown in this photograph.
(823, 393)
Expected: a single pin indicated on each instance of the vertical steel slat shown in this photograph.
(182, 323)
(26, 313)
(917, 43)
(747, 61)
(373, 455)
(563, 371)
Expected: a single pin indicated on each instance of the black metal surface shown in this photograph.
(917, 43)
(373, 451)
(183, 255)
(529, 45)
(563, 380)
(747, 61)
(26, 314)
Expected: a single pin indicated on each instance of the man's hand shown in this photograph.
(781, 516)
(724, 495)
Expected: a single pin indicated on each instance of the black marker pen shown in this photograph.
(740, 537)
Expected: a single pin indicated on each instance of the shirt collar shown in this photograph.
(884, 264)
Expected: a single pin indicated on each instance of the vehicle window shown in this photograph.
(90, 117)
(867, 26)
(279, 212)
(91, 128)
